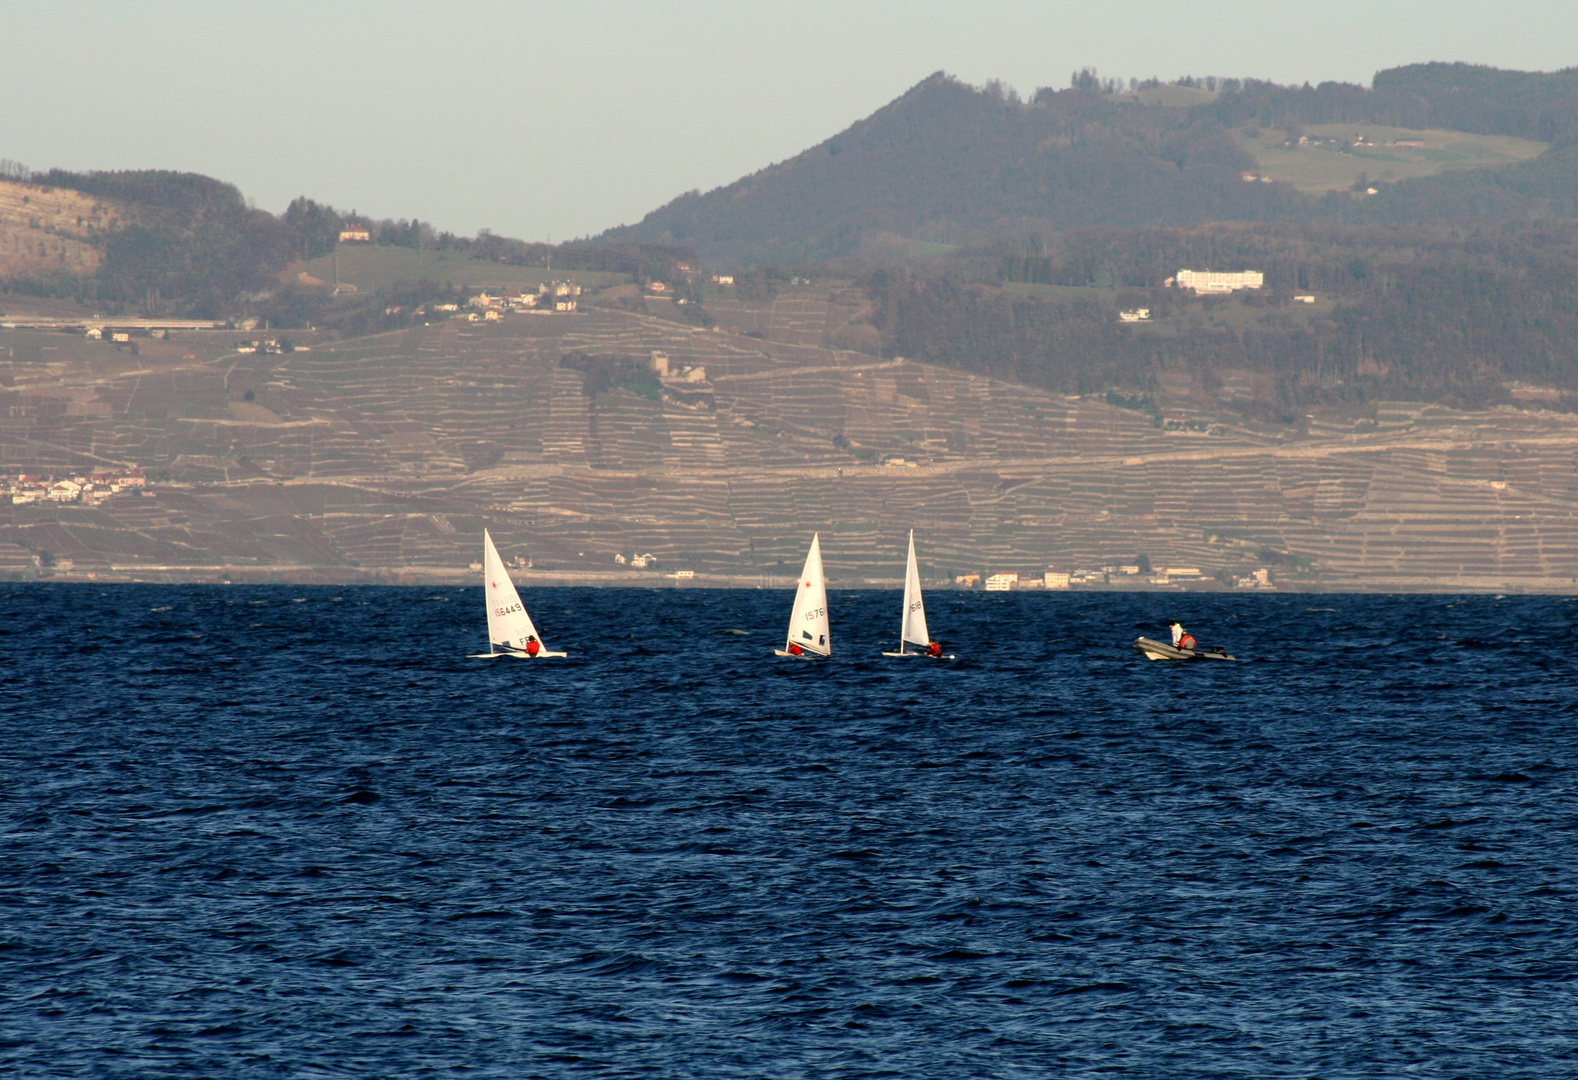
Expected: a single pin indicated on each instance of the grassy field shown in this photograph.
(1319, 169)
(369, 266)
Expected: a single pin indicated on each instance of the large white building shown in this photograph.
(1216, 281)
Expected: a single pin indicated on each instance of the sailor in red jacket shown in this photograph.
(533, 647)
(1182, 639)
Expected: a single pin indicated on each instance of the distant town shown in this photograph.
(91, 488)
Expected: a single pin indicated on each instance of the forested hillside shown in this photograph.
(165, 242)
(1428, 312)
(952, 164)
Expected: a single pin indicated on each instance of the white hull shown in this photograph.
(923, 656)
(805, 654)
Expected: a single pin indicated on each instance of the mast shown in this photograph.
(904, 616)
(913, 629)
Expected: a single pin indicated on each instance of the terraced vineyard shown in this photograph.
(386, 456)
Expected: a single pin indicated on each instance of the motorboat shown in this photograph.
(1161, 650)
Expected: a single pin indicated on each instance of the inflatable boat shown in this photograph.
(1161, 650)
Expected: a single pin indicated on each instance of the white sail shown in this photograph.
(913, 631)
(808, 626)
(509, 626)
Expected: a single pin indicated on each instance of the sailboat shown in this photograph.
(912, 627)
(509, 627)
(809, 633)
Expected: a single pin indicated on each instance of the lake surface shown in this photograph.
(291, 831)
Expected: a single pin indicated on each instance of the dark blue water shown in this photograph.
(284, 831)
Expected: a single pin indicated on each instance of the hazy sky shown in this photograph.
(553, 120)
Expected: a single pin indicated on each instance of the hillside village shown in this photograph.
(90, 489)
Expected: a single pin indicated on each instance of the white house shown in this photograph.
(1217, 281)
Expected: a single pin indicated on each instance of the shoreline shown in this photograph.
(428, 576)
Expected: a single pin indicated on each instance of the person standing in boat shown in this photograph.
(1182, 639)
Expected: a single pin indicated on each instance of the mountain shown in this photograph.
(948, 163)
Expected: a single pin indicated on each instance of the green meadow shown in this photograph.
(1319, 169)
(371, 266)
